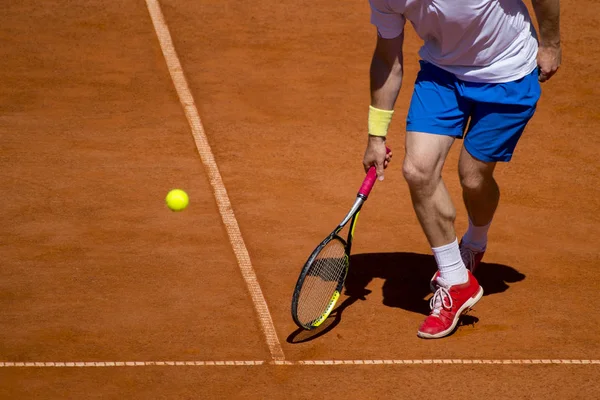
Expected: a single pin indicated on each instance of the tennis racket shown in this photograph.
(322, 278)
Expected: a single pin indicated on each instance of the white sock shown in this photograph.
(450, 263)
(476, 236)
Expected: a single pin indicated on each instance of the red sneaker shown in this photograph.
(447, 305)
(471, 258)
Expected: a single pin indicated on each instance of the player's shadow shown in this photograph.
(406, 279)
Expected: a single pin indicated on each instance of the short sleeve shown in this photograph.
(389, 23)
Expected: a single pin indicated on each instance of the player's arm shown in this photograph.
(386, 72)
(385, 81)
(547, 13)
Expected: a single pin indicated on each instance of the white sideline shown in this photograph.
(231, 224)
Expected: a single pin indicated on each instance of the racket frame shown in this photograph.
(352, 216)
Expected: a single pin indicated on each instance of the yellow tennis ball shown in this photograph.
(177, 200)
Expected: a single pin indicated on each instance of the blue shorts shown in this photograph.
(496, 113)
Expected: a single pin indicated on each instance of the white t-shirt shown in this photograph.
(476, 40)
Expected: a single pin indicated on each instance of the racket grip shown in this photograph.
(369, 181)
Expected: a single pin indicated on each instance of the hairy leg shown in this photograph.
(481, 193)
(422, 169)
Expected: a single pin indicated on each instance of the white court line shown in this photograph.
(231, 225)
(445, 362)
(247, 363)
(87, 364)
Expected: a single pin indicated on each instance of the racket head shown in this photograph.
(320, 282)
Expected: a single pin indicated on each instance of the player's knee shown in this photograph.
(473, 181)
(418, 176)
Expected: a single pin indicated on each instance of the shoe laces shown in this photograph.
(441, 300)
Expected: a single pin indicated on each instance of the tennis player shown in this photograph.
(480, 68)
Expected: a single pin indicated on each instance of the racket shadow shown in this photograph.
(301, 335)
(406, 278)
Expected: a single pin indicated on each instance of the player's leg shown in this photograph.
(481, 195)
(499, 117)
(422, 169)
(480, 190)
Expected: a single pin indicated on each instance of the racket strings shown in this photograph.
(321, 282)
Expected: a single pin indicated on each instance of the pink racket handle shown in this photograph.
(369, 181)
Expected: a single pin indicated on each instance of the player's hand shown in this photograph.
(376, 155)
(548, 59)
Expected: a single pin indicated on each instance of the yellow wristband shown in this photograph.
(379, 121)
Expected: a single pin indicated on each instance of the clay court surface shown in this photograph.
(105, 293)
